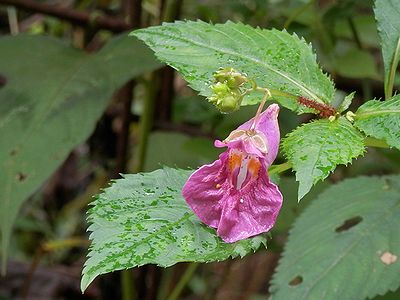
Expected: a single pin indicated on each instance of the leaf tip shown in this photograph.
(84, 283)
(304, 188)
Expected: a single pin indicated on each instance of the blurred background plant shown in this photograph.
(80, 102)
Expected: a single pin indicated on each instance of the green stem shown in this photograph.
(392, 73)
(165, 283)
(373, 142)
(324, 37)
(354, 32)
(366, 87)
(277, 93)
(172, 9)
(13, 20)
(267, 94)
(276, 169)
(297, 13)
(183, 281)
(146, 123)
(128, 285)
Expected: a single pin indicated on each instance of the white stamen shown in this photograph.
(241, 200)
(241, 177)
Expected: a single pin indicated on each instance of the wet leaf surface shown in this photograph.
(381, 120)
(143, 219)
(356, 263)
(274, 59)
(315, 149)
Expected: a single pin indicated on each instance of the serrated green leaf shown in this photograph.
(340, 258)
(274, 59)
(381, 120)
(346, 102)
(315, 149)
(52, 99)
(143, 219)
(387, 14)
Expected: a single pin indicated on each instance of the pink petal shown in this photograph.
(270, 114)
(268, 126)
(251, 211)
(201, 193)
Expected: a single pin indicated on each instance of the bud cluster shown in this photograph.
(227, 94)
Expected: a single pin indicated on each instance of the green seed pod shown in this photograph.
(221, 89)
(231, 77)
(228, 102)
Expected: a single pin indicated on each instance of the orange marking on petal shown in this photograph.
(235, 160)
(254, 166)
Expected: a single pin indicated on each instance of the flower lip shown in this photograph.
(242, 168)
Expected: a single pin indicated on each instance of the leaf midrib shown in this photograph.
(363, 115)
(245, 57)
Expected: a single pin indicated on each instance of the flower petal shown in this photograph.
(271, 113)
(251, 211)
(205, 188)
(268, 127)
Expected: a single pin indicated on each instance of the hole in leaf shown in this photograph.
(296, 281)
(349, 223)
(388, 258)
(21, 176)
(3, 81)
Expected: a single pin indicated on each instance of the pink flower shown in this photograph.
(234, 194)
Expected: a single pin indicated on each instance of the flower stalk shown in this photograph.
(267, 94)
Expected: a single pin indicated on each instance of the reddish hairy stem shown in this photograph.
(323, 110)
